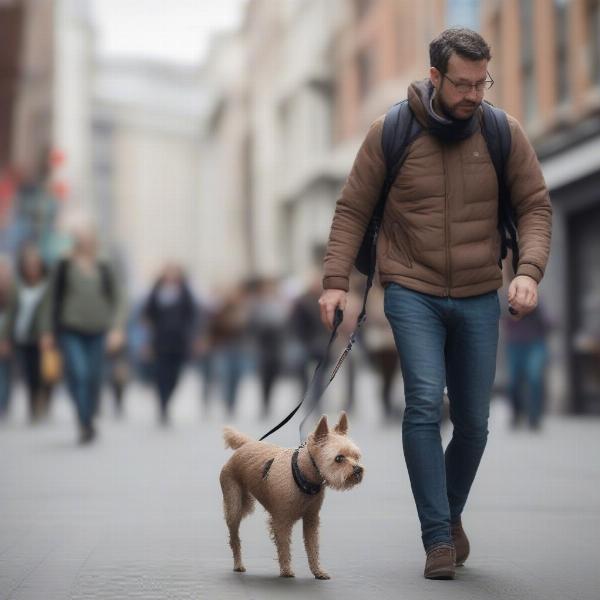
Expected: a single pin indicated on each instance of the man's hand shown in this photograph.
(522, 296)
(328, 302)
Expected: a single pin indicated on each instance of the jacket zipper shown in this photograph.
(446, 224)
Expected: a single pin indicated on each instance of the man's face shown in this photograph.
(456, 104)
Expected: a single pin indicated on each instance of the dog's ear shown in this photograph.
(342, 426)
(322, 429)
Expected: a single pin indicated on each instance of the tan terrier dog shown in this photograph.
(289, 484)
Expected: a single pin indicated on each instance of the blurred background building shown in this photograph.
(146, 169)
(233, 166)
(547, 70)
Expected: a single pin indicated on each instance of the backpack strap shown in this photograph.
(400, 129)
(496, 132)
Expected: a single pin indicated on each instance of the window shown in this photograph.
(593, 23)
(527, 60)
(562, 58)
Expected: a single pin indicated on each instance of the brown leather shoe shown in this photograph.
(440, 562)
(461, 543)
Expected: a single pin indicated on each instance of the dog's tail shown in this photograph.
(234, 439)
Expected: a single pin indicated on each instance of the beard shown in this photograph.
(453, 111)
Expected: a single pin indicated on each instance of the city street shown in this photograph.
(138, 514)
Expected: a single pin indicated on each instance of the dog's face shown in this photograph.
(337, 457)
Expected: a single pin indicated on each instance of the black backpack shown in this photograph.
(400, 129)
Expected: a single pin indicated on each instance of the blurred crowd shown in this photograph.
(71, 322)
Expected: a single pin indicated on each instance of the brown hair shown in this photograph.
(464, 42)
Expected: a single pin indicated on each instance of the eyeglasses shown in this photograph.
(465, 88)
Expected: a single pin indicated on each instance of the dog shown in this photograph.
(290, 484)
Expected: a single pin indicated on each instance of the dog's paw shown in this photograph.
(240, 569)
(287, 574)
(322, 575)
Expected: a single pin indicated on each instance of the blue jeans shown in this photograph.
(84, 363)
(448, 342)
(527, 365)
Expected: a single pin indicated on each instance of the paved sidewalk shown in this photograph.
(138, 515)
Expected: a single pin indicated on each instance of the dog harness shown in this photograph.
(307, 487)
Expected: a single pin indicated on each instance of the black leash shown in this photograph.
(312, 392)
(337, 321)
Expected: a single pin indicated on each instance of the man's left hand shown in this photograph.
(522, 295)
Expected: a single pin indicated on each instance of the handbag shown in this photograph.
(51, 365)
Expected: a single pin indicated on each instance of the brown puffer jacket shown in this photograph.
(439, 234)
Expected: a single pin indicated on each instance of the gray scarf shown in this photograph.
(446, 128)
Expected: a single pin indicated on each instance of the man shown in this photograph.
(438, 257)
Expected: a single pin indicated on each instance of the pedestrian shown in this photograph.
(527, 358)
(22, 331)
(227, 341)
(267, 318)
(170, 312)
(439, 259)
(84, 311)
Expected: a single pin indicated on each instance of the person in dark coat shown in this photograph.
(171, 312)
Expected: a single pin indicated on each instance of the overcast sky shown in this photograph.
(170, 30)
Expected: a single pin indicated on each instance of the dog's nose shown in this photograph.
(358, 471)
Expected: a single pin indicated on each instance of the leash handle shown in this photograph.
(338, 317)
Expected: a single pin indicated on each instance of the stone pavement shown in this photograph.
(138, 514)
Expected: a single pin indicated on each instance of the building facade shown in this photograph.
(224, 215)
(146, 165)
(547, 72)
(27, 69)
